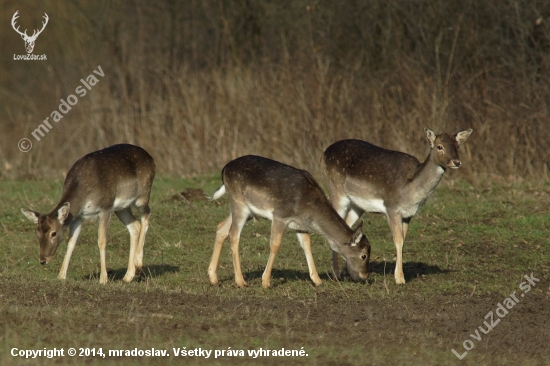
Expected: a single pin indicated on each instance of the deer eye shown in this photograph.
(439, 147)
(53, 234)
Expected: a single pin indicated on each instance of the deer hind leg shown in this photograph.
(277, 231)
(102, 243)
(397, 230)
(134, 229)
(221, 233)
(237, 225)
(145, 212)
(305, 243)
(74, 231)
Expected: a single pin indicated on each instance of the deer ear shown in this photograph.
(462, 136)
(430, 135)
(31, 215)
(357, 238)
(63, 212)
(358, 235)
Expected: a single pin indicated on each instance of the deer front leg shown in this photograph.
(305, 243)
(102, 243)
(406, 223)
(351, 216)
(277, 230)
(341, 204)
(74, 231)
(145, 217)
(221, 234)
(396, 225)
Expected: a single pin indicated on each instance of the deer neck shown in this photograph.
(426, 179)
(76, 202)
(329, 224)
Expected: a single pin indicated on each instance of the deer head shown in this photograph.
(49, 230)
(29, 41)
(446, 154)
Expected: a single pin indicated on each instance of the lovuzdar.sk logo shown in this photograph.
(29, 40)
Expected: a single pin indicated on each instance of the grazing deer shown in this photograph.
(364, 177)
(289, 197)
(102, 182)
(29, 41)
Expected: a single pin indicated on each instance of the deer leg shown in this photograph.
(396, 226)
(351, 218)
(74, 231)
(335, 266)
(277, 230)
(221, 234)
(343, 207)
(134, 229)
(305, 243)
(145, 212)
(406, 223)
(102, 243)
(237, 224)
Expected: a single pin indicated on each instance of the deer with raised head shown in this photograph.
(364, 177)
(110, 180)
(29, 40)
(289, 197)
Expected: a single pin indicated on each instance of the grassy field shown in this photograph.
(466, 252)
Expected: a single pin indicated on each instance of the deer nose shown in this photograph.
(43, 261)
(457, 163)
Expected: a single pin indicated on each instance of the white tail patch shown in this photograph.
(219, 192)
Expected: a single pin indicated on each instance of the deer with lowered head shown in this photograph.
(289, 197)
(364, 177)
(110, 180)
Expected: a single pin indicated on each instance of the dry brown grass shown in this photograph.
(200, 83)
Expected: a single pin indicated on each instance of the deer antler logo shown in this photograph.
(29, 41)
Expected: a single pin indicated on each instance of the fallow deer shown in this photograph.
(291, 198)
(364, 177)
(105, 181)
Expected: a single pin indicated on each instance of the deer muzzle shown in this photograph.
(455, 164)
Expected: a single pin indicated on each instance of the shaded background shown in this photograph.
(200, 82)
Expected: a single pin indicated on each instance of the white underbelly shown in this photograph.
(266, 214)
(369, 204)
(411, 209)
(89, 210)
(122, 203)
(293, 225)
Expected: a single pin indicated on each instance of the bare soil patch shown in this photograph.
(438, 323)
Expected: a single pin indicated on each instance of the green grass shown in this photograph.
(462, 245)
